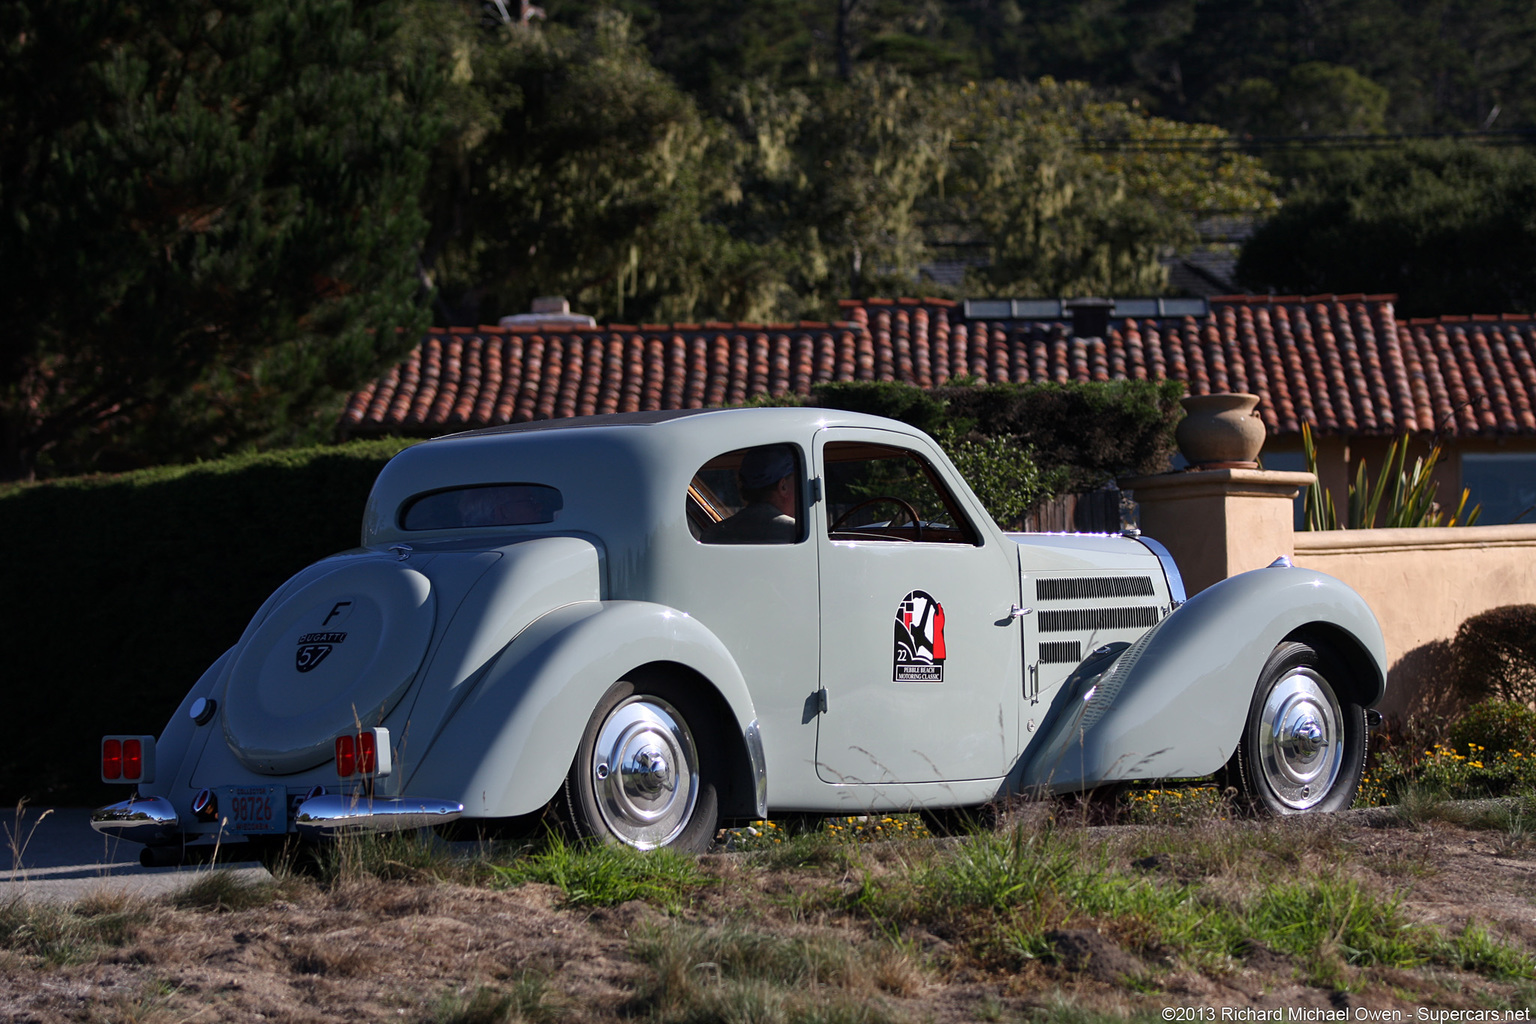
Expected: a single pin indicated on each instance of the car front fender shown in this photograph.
(507, 749)
(1174, 703)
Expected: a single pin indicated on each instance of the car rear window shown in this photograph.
(483, 505)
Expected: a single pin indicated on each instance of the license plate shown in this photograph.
(257, 809)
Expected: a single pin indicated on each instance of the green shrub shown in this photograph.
(1400, 497)
(1021, 444)
(1096, 430)
(1496, 726)
(120, 590)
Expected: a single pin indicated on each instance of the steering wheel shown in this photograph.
(906, 506)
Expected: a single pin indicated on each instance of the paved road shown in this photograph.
(58, 856)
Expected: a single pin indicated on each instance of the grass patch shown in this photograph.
(1474, 949)
(734, 973)
(62, 934)
(220, 891)
(1000, 895)
(593, 874)
(527, 1000)
(1322, 917)
(417, 855)
(150, 1005)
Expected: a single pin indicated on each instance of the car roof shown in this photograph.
(689, 419)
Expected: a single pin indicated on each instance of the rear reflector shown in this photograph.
(365, 754)
(128, 759)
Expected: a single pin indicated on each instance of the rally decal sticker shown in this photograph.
(315, 648)
(919, 654)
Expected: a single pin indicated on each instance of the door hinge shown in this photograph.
(1032, 687)
(815, 490)
(821, 701)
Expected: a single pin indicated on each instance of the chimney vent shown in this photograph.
(549, 310)
(1090, 317)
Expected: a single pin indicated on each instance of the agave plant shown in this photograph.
(1400, 496)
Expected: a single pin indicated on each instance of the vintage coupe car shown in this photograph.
(656, 622)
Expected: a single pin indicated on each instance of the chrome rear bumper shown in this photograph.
(321, 817)
(152, 820)
(143, 819)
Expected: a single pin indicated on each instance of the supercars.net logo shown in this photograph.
(919, 655)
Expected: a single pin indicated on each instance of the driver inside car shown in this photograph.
(768, 483)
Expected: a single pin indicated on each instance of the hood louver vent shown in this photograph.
(1082, 588)
(1083, 619)
(1061, 652)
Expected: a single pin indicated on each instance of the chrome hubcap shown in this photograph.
(1301, 742)
(645, 772)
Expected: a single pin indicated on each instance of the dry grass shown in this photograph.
(1044, 919)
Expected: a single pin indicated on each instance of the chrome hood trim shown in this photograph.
(1170, 569)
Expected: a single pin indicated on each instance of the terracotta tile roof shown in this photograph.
(1343, 363)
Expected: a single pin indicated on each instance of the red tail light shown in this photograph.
(346, 756)
(127, 759)
(133, 760)
(364, 753)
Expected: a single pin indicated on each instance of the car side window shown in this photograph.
(878, 492)
(749, 496)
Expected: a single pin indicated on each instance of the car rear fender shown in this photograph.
(506, 750)
(181, 741)
(1174, 703)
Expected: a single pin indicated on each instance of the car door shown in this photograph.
(920, 654)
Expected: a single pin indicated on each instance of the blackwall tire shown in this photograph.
(1303, 748)
(645, 773)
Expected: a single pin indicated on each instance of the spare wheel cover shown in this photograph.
(338, 654)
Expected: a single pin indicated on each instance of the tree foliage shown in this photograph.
(577, 167)
(1062, 220)
(209, 221)
(1448, 228)
(1265, 66)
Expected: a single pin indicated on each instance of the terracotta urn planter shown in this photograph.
(1220, 431)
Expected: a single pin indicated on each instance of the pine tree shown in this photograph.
(208, 221)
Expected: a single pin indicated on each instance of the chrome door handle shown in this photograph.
(1016, 612)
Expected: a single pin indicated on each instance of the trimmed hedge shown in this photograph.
(120, 590)
(1081, 434)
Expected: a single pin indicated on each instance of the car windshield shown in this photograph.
(484, 505)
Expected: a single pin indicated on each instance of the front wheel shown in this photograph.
(644, 774)
(1303, 748)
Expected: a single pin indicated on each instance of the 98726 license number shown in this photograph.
(257, 809)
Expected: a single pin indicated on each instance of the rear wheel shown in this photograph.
(1304, 746)
(645, 772)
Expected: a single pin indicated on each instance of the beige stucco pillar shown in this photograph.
(1219, 522)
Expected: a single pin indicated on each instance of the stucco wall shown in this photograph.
(1422, 584)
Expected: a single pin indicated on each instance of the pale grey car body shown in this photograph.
(1072, 660)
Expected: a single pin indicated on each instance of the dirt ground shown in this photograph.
(419, 949)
